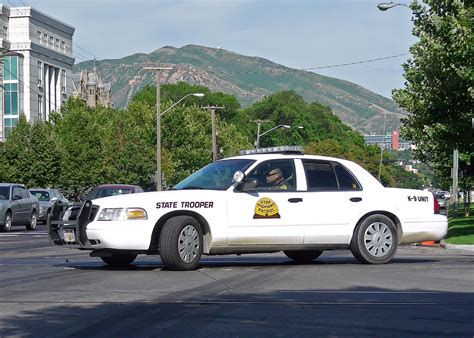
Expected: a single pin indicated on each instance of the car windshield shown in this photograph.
(215, 176)
(40, 195)
(4, 193)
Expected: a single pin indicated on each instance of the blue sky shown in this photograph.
(298, 34)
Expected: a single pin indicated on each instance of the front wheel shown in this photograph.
(119, 260)
(33, 221)
(7, 222)
(181, 243)
(303, 256)
(375, 240)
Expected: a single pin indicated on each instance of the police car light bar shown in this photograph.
(269, 150)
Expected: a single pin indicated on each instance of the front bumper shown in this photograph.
(67, 224)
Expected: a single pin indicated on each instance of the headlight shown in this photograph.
(121, 214)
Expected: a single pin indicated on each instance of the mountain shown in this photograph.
(249, 79)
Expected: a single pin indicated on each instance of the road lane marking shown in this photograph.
(16, 234)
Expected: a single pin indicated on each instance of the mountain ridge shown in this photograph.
(249, 78)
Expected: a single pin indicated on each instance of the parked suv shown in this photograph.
(17, 207)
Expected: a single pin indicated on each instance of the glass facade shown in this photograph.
(11, 93)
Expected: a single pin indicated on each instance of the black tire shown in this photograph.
(303, 256)
(181, 243)
(33, 221)
(375, 240)
(7, 222)
(119, 259)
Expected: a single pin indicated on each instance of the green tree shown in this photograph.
(81, 131)
(16, 153)
(45, 155)
(31, 155)
(128, 146)
(174, 92)
(439, 87)
(186, 138)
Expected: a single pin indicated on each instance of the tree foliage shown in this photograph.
(171, 93)
(439, 87)
(81, 147)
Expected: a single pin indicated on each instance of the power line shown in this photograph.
(93, 55)
(357, 62)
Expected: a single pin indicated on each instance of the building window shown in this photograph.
(8, 125)
(39, 37)
(40, 74)
(40, 107)
(63, 46)
(56, 44)
(63, 81)
(5, 32)
(51, 42)
(45, 39)
(10, 68)
(10, 98)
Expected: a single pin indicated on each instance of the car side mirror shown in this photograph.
(238, 177)
(16, 197)
(248, 184)
(54, 199)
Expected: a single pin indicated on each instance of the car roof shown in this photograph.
(117, 186)
(276, 156)
(10, 184)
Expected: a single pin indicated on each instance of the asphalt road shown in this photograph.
(56, 292)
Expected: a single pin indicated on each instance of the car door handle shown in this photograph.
(355, 199)
(295, 200)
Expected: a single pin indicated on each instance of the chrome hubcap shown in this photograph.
(33, 221)
(378, 239)
(188, 244)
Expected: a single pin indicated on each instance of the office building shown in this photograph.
(37, 65)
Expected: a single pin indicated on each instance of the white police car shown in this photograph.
(234, 206)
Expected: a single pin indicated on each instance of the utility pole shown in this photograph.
(157, 70)
(259, 124)
(212, 109)
(455, 181)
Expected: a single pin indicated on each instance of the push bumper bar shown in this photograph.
(67, 224)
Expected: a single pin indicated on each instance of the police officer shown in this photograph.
(275, 180)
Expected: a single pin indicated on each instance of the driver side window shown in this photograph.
(274, 175)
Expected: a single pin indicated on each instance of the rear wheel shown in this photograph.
(33, 221)
(7, 222)
(303, 256)
(118, 260)
(375, 240)
(181, 243)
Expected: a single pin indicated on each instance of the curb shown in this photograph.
(443, 245)
(448, 246)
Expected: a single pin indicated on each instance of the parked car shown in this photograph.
(100, 191)
(46, 198)
(17, 207)
(441, 198)
(106, 190)
(276, 199)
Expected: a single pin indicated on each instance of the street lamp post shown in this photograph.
(159, 186)
(387, 5)
(285, 126)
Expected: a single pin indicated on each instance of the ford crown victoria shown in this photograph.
(277, 199)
